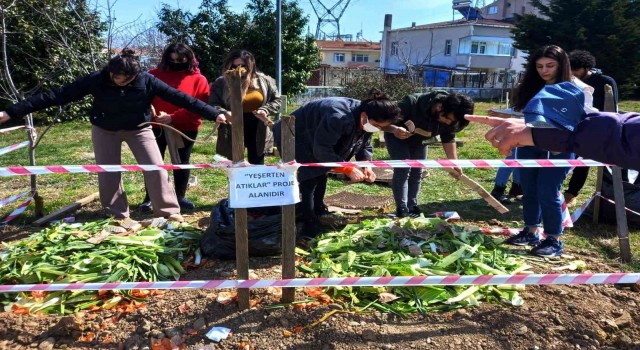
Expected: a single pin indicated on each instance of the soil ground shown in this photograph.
(553, 317)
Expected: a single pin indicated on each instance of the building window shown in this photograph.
(338, 57)
(394, 48)
(447, 48)
(505, 49)
(478, 47)
(492, 10)
(356, 57)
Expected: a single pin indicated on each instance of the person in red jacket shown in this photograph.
(178, 68)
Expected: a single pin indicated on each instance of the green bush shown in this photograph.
(395, 86)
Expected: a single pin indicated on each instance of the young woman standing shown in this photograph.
(541, 200)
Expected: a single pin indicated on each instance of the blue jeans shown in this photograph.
(502, 175)
(406, 181)
(541, 201)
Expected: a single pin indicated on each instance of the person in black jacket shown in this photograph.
(436, 113)
(582, 67)
(122, 95)
(334, 129)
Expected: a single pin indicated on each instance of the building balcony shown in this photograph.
(474, 61)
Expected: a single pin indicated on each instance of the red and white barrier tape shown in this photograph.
(573, 218)
(19, 210)
(578, 213)
(5, 130)
(464, 163)
(93, 168)
(395, 281)
(567, 220)
(612, 202)
(13, 198)
(14, 147)
(440, 163)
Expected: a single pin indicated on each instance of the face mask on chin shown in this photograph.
(177, 66)
(368, 127)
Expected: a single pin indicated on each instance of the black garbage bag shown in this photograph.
(631, 199)
(264, 230)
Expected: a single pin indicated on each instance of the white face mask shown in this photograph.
(368, 127)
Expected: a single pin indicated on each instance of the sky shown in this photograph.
(367, 15)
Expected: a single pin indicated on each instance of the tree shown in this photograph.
(606, 28)
(45, 44)
(215, 30)
(394, 86)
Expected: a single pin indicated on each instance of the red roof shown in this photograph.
(348, 45)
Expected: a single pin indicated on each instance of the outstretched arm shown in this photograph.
(606, 137)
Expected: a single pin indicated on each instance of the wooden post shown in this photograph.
(37, 199)
(621, 215)
(66, 210)
(288, 141)
(609, 106)
(618, 191)
(237, 136)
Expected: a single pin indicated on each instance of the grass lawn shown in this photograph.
(69, 143)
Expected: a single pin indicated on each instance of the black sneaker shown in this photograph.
(186, 204)
(523, 238)
(548, 248)
(145, 207)
(498, 192)
(402, 213)
(515, 190)
(415, 212)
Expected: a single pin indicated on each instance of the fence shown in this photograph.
(28, 194)
(429, 77)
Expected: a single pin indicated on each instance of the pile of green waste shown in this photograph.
(93, 252)
(413, 247)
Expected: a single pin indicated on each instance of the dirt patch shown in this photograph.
(553, 317)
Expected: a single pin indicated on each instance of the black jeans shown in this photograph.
(254, 155)
(311, 204)
(180, 177)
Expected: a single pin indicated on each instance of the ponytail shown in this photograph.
(126, 63)
(380, 108)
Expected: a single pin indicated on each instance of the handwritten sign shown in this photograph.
(263, 186)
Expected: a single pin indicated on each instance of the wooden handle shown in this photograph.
(479, 190)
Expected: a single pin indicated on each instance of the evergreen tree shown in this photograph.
(215, 30)
(606, 28)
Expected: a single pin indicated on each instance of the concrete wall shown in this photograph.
(507, 8)
(426, 46)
